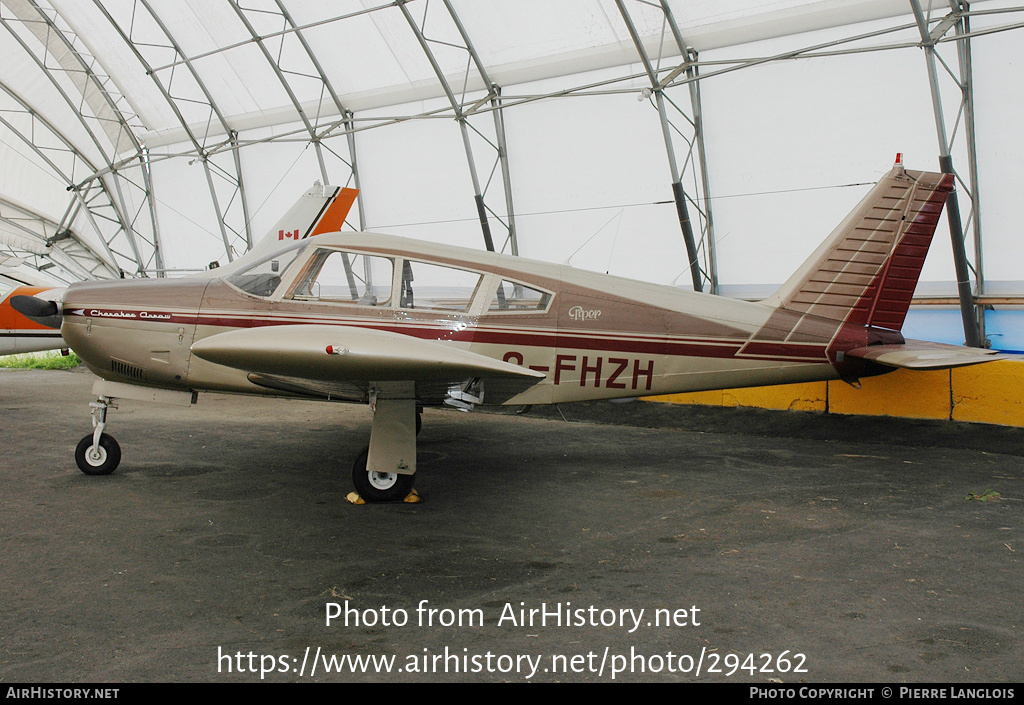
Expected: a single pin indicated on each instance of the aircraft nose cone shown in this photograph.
(137, 331)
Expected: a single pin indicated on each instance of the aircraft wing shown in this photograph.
(316, 359)
(924, 355)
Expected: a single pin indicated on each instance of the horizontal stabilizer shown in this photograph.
(923, 355)
(347, 353)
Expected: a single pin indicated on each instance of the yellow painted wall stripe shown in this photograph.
(989, 393)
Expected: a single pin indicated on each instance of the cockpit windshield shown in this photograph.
(262, 277)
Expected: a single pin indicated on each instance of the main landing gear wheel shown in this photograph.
(101, 460)
(379, 486)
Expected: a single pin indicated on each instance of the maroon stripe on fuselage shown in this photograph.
(779, 349)
(134, 315)
(552, 339)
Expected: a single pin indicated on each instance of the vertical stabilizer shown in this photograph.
(319, 210)
(865, 273)
(322, 209)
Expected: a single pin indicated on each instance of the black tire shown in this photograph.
(107, 459)
(379, 487)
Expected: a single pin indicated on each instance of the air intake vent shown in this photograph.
(127, 370)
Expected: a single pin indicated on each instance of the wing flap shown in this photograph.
(301, 351)
(427, 393)
(923, 355)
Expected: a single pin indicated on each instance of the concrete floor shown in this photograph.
(843, 545)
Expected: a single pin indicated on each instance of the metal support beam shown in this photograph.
(962, 31)
(693, 82)
(697, 274)
(350, 135)
(241, 189)
(45, 239)
(972, 332)
(462, 117)
(302, 62)
(275, 66)
(199, 142)
(506, 177)
(148, 181)
(498, 114)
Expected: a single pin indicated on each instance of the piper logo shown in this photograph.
(578, 313)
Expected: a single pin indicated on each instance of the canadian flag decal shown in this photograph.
(283, 235)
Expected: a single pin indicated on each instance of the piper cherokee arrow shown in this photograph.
(402, 324)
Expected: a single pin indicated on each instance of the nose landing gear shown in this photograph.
(98, 453)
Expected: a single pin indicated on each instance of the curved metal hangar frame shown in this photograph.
(152, 138)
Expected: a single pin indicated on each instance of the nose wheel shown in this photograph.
(98, 459)
(98, 453)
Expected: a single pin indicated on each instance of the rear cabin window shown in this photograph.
(346, 277)
(513, 296)
(434, 286)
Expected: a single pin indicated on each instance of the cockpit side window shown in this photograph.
(516, 297)
(345, 277)
(435, 286)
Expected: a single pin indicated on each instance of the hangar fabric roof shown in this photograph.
(150, 138)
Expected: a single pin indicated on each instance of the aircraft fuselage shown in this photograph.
(401, 324)
(592, 336)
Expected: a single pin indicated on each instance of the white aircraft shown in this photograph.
(19, 334)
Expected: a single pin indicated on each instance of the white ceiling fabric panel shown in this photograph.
(589, 174)
(240, 81)
(79, 75)
(103, 41)
(23, 180)
(25, 87)
(374, 59)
